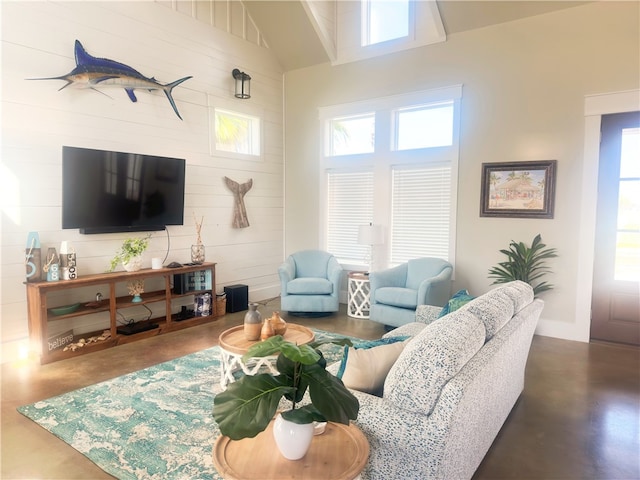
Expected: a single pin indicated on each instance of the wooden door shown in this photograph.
(616, 283)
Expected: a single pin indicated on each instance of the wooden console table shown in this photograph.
(340, 453)
(42, 296)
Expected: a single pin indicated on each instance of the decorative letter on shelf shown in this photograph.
(32, 258)
(240, 219)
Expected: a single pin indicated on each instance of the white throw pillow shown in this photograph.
(367, 369)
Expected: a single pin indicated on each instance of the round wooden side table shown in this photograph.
(233, 345)
(340, 453)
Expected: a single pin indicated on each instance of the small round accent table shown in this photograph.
(358, 289)
(340, 453)
(233, 345)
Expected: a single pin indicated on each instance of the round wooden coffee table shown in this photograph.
(233, 345)
(341, 452)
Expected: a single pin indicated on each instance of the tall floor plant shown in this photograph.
(525, 263)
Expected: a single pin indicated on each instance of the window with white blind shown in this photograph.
(406, 184)
(420, 212)
(350, 197)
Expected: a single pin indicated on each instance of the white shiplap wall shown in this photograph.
(166, 40)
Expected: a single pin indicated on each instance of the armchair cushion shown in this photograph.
(397, 297)
(309, 286)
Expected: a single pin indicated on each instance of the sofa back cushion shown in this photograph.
(496, 307)
(431, 359)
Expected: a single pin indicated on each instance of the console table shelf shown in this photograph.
(40, 316)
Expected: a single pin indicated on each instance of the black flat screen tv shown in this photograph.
(106, 191)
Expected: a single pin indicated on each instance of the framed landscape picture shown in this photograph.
(518, 189)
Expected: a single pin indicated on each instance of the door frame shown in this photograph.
(595, 106)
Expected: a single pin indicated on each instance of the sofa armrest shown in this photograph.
(410, 329)
(435, 290)
(427, 313)
(403, 445)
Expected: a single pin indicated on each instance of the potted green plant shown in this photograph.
(247, 406)
(130, 254)
(525, 263)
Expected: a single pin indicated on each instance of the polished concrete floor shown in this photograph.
(578, 417)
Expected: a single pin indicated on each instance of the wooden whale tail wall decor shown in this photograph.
(240, 219)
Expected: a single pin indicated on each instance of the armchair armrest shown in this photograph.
(392, 277)
(435, 290)
(286, 272)
(334, 274)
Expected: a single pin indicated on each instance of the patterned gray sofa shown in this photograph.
(452, 387)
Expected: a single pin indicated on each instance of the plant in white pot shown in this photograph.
(247, 406)
(130, 254)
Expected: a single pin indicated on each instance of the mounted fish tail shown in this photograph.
(92, 72)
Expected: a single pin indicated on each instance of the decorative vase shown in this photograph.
(134, 264)
(293, 439)
(197, 254)
(267, 330)
(278, 323)
(252, 323)
(136, 298)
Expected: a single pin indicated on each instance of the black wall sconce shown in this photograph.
(243, 84)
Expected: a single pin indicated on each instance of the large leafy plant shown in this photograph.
(247, 406)
(525, 263)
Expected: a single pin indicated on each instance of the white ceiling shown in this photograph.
(290, 35)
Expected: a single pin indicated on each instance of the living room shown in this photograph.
(533, 92)
(526, 84)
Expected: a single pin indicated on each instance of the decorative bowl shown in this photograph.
(65, 309)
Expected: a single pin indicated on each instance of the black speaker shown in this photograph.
(237, 298)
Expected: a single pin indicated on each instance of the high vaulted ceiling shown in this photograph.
(291, 36)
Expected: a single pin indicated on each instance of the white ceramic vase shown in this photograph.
(134, 264)
(293, 439)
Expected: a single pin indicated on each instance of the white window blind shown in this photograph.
(421, 207)
(350, 204)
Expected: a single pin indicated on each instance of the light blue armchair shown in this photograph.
(310, 283)
(396, 292)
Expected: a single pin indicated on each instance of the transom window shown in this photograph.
(424, 126)
(352, 135)
(236, 132)
(384, 20)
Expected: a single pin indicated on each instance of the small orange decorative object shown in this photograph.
(267, 330)
(278, 323)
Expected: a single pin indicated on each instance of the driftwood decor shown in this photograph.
(240, 219)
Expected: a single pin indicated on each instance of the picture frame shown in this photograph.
(518, 189)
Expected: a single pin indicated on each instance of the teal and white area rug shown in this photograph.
(154, 424)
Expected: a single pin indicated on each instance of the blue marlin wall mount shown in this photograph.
(92, 72)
